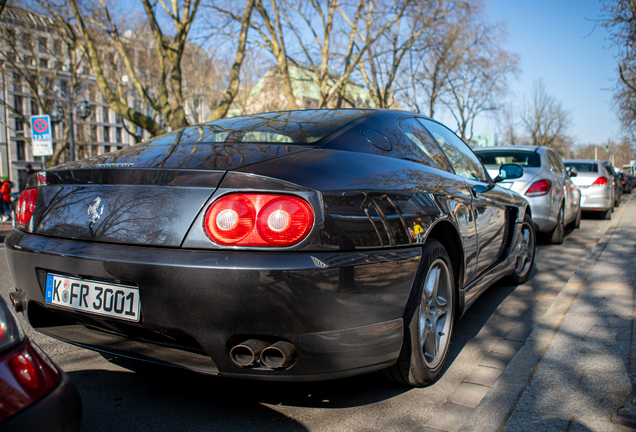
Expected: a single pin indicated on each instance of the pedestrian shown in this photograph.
(24, 176)
(5, 192)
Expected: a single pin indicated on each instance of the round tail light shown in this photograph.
(258, 220)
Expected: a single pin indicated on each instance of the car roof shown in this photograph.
(581, 160)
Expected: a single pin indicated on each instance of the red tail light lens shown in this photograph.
(258, 220)
(601, 181)
(541, 187)
(24, 370)
(25, 206)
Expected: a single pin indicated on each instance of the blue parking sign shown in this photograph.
(41, 136)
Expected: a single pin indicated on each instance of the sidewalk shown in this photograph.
(578, 364)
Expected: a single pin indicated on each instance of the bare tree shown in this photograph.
(620, 20)
(407, 22)
(481, 78)
(507, 124)
(436, 54)
(234, 82)
(545, 121)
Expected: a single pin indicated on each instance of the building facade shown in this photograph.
(31, 47)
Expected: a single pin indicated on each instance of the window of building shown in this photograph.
(106, 113)
(44, 63)
(20, 150)
(17, 84)
(63, 87)
(57, 46)
(42, 44)
(118, 135)
(106, 134)
(93, 133)
(34, 107)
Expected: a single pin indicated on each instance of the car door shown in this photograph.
(488, 201)
(563, 192)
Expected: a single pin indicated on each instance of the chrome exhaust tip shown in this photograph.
(247, 353)
(279, 355)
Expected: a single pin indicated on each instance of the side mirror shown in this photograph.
(573, 172)
(509, 172)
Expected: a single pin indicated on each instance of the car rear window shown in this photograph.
(582, 166)
(293, 127)
(527, 159)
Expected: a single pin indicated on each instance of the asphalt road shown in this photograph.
(122, 395)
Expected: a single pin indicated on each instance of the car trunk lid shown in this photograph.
(148, 199)
(520, 185)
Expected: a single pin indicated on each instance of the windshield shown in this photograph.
(291, 127)
(528, 159)
(582, 166)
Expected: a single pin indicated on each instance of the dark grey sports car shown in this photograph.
(300, 245)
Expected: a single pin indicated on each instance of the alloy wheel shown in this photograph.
(525, 251)
(436, 313)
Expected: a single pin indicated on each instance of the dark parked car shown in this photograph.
(625, 183)
(616, 182)
(300, 245)
(35, 395)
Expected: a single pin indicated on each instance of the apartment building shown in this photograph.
(37, 49)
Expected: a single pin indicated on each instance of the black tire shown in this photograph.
(576, 223)
(424, 352)
(557, 235)
(525, 252)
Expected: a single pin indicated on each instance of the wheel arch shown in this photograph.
(445, 232)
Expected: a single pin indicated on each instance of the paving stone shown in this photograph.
(521, 421)
(567, 400)
(468, 394)
(595, 425)
(450, 417)
(579, 363)
(518, 334)
(616, 383)
(485, 376)
(507, 346)
(585, 322)
(496, 360)
(587, 346)
(604, 308)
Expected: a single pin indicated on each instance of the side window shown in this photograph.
(554, 162)
(424, 148)
(465, 163)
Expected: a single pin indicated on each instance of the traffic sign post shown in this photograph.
(41, 137)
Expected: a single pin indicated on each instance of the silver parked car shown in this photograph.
(595, 183)
(546, 184)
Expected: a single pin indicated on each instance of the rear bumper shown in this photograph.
(595, 199)
(342, 311)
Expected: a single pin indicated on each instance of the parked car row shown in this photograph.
(288, 246)
(548, 186)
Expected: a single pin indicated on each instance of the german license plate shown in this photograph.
(112, 300)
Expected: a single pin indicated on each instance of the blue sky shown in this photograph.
(559, 42)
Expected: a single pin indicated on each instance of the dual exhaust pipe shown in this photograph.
(274, 356)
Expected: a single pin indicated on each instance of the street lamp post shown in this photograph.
(57, 115)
